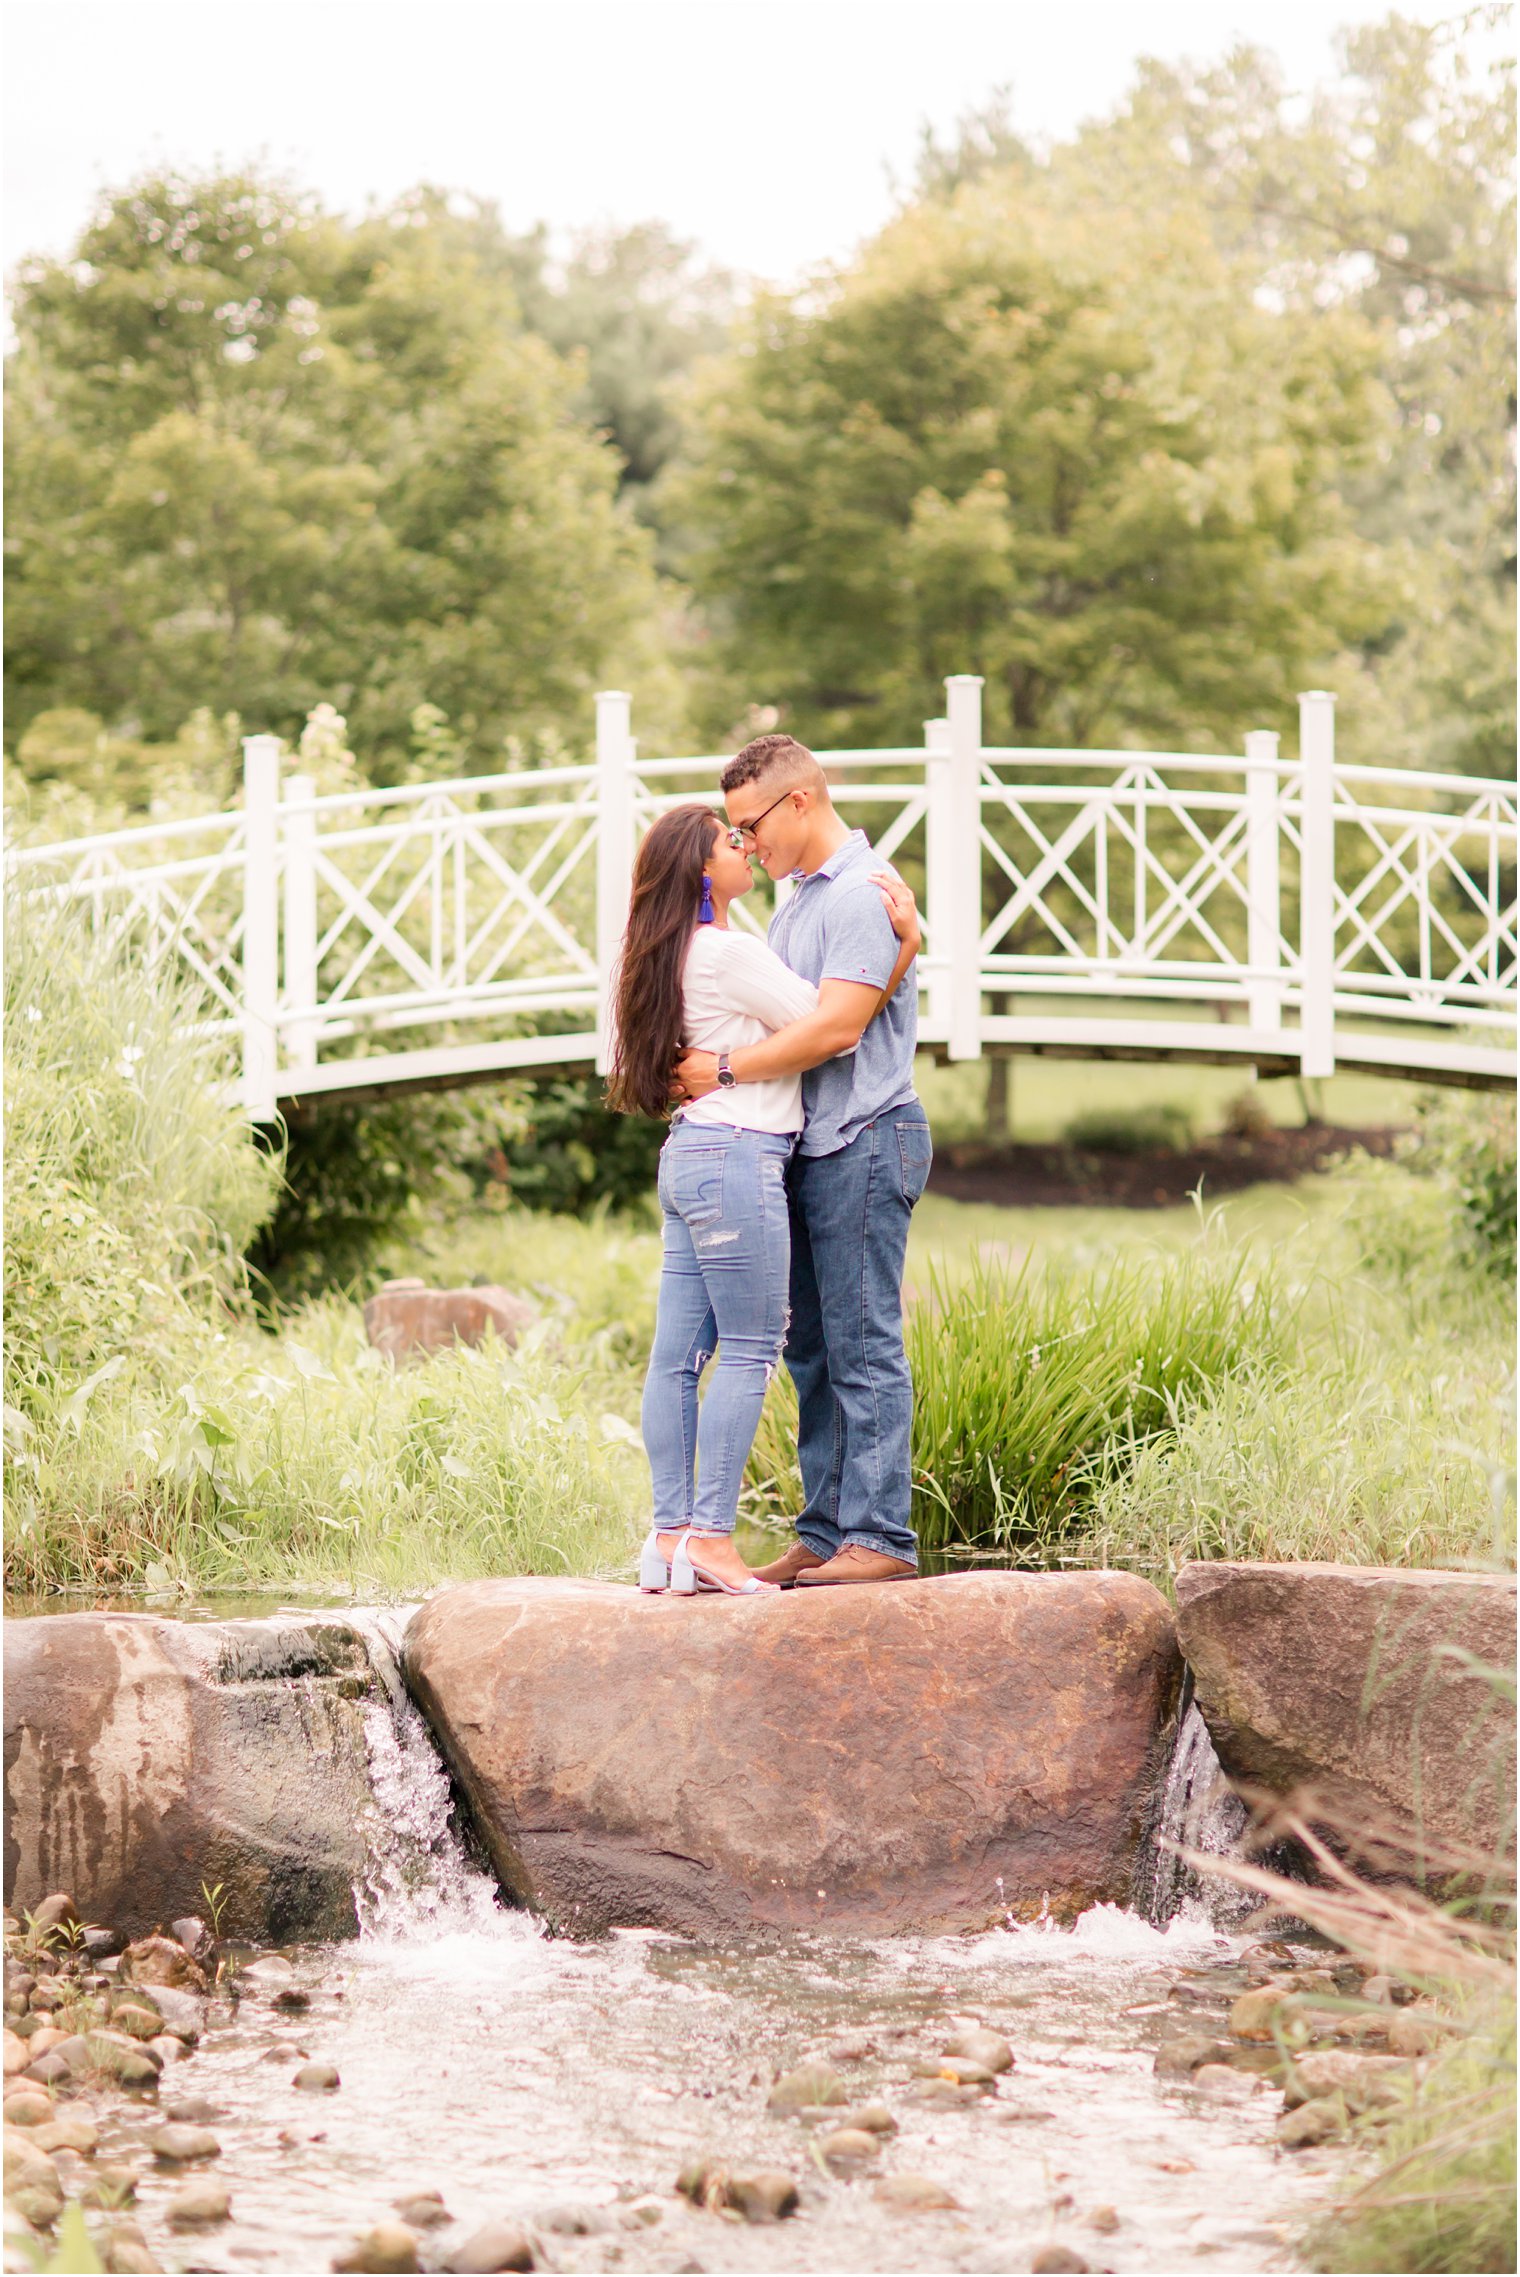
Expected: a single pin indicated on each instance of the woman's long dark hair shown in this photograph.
(646, 991)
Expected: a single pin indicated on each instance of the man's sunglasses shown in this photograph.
(741, 834)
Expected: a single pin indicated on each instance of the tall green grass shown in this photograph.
(1032, 1381)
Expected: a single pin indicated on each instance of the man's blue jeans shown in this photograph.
(723, 1285)
(844, 1347)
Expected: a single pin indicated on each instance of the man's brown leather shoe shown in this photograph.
(783, 1571)
(855, 1563)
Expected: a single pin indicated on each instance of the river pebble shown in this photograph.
(33, 2107)
(809, 2085)
(915, 2194)
(127, 2252)
(320, 2078)
(199, 2205)
(848, 2149)
(423, 2210)
(500, 2245)
(71, 2131)
(176, 2145)
(769, 2196)
(1057, 2259)
(1319, 2121)
(981, 2047)
(389, 2246)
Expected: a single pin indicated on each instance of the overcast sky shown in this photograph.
(764, 129)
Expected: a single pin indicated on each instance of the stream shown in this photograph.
(564, 2085)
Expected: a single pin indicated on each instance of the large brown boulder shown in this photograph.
(1364, 1686)
(927, 1755)
(144, 1757)
(406, 1320)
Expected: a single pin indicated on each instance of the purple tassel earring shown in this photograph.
(705, 913)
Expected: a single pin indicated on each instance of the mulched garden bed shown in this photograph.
(1032, 1177)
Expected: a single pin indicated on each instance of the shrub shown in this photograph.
(562, 1151)
(1166, 1127)
(1465, 1143)
(133, 1183)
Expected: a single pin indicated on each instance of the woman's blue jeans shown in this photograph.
(723, 1287)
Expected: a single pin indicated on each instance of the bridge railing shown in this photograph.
(1287, 911)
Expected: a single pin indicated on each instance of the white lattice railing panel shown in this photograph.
(1071, 901)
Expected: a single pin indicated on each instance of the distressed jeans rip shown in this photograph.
(716, 1240)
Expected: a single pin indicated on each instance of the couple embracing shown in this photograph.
(796, 1153)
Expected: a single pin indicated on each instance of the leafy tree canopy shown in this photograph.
(260, 459)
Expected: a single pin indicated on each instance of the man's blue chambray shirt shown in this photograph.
(835, 926)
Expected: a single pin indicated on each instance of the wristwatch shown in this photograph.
(726, 1076)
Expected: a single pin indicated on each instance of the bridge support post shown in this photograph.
(261, 924)
(614, 851)
(1263, 882)
(939, 877)
(300, 829)
(1316, 922)
(963, 869)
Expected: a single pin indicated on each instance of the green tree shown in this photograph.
(1063, 449)
(259, 459)
(1390, 193)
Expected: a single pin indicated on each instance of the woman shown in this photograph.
(687, 978)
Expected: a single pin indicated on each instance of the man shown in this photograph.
(860, 1166)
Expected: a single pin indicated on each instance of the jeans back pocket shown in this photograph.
(915, 1154)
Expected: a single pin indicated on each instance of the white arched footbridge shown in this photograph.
(1288, 913)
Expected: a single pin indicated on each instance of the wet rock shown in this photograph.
(292, 2000)
(67, 2130)
(1418, 2031)
(868, 2118)
(1104, 2219)
(389, 2246)
(199, 2205)
(1363, 1685)
(56, 1912)
(915, 2194)
(406, 1320)
(1261, 2013)
(423, 2210)
(575, 2221)
(959, 2070)
(184, 2013)
(1179, 2058)
(32, 2107)
(176, 2145)
(127, 2252)
(1365, 2083)
(17, 2054)
(51, 2069)
(810, 2086)
(705, 2182)
(137, 1749)
(137, 2022)
(110, 2187)
(269, 1970)
(641, 2213)
(500, 2245)
(163, 1961)
(1225, 2081)
(769, 2196)
(136, 2067)
(191, 1932)
(104, 1944)
(1053, 2258)
(854, 2050)
(944, 2094)
(1318, 2121)
(171, 2050)
(30, 2175)
(1040, 1754)
(981, 2047)
(193, 2111)
(847, 2149)
(319, 2078)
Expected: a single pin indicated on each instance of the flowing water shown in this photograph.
(555, 2083)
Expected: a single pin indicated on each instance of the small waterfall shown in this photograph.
(419, 1883)
(1197, 1808)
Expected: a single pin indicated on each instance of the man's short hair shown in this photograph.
(772, 759)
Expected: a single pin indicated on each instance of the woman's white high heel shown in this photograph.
(654, 1573)
(688, 1579)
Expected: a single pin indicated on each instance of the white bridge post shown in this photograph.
(300, 945)
(1316, 934)
(939, 874)
(1263, 882)
(614, 851)
(963, 870)
(261, 925)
